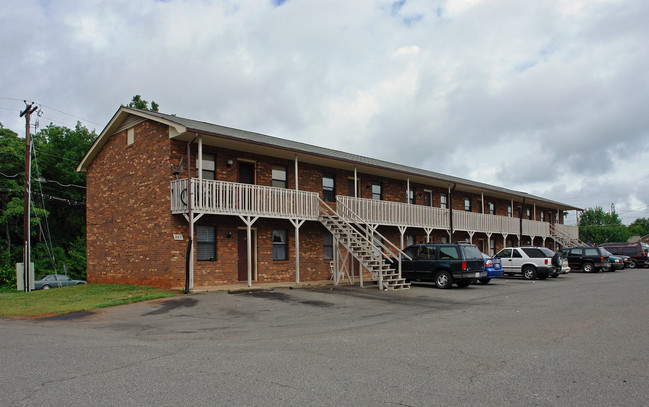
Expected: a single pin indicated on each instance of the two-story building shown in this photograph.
(175, 202)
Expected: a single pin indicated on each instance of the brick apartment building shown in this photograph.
(265, 209)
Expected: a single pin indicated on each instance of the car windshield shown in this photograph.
(605, 252)
(472, 252)
(534, 253)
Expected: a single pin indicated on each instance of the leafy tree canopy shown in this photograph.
(597, 226)
(639, 227)
(58, 195)
(139, 103)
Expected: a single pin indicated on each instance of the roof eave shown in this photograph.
(115, 122)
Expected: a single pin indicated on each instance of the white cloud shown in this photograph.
(547, 97)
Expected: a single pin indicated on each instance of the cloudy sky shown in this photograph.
(547, 97)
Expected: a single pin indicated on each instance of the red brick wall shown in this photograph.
(129, 221)
(130, 225)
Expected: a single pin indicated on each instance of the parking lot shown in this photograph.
(578, 340)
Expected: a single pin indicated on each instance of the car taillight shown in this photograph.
(546, 261)
(464, 265)
(601, 259)
(489, 263)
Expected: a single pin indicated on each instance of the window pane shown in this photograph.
(205, 243)
(328, 245)
(328, 187)
(209, 166)
(448, 252)
(279, 176)
(279, 252)
(205, 233)
(279, 244)
(376, 191)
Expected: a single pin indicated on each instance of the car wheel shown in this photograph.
(606, 267)
(79, 283)
(46, 287)
(588, 268)
(443, 280)
(484, 280)
(632, 264)
(529, 273)
(463, 283)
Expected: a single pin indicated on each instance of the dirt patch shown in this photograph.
(278, 296)
(172, 304)
(71, 316)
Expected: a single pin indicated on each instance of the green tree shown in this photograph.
(58, 195)
(639, 227)
(597, 226)
(139, 103)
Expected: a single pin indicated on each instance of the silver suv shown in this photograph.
(531, 262)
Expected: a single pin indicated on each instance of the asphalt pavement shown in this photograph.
(577, 340)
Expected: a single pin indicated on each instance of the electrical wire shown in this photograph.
(47, 237)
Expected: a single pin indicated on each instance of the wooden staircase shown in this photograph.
(564, 239)
(369, 255)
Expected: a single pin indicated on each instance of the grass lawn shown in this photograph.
(75, 298)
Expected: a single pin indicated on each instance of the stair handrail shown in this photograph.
(371, 243)
(360, 221)
(341, 220)
(556, 232)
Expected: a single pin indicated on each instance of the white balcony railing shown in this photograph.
(391, 213)
(402, 214)
(232, 198)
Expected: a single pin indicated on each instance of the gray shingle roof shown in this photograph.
(209, 128)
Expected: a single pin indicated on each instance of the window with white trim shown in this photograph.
(279, 176)
(208, 162)
(280, 244)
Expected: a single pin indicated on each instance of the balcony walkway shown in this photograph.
(231, 198)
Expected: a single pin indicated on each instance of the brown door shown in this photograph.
(246, 173)
(242, 251)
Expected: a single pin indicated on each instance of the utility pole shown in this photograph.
(29, 109)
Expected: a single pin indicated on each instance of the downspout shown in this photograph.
(450, 210)
(520, 233)
(189, 259)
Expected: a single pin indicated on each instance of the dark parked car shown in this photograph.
(587, 259)
(444, 264)
(615, 262)
(55, 281)
(639, 252)
(493, 267)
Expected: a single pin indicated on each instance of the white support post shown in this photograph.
(408, 190)
(428, 232)
(356, 186)
(482, 202)
(402, 230)
(296, 172)
(471, 236)
(296, 224)
(248, 220)
(199, 158)
(336, 256)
